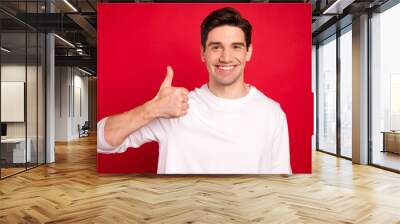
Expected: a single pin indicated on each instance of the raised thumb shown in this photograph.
(168, 78)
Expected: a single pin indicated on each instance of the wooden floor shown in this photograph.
(10, 171)
(387, 159)
(70, 191)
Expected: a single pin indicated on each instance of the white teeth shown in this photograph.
(225, 67)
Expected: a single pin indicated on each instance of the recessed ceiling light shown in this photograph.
(86, 72)
(70, 5)
(64, 40)
(338, 6)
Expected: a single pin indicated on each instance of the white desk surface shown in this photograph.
(13, 140)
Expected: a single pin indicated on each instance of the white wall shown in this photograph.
(61, 103)
(314, 89)
(80, 83)
(71, 93)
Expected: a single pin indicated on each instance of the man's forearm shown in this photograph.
(170, 102)
(120, 126)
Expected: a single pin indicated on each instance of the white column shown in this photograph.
(360, 89)
(50, 93)
(50, 109)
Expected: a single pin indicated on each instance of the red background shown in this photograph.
(137, 41)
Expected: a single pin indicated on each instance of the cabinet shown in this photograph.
(391, 141)
(13, 150)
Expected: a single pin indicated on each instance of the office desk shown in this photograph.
(13, 150)
(391, 141)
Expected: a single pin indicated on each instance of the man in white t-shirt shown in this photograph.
(230, 127)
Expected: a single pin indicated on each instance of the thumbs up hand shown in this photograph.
(171, 102)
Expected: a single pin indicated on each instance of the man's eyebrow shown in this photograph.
(219, 43)
(214, 43)
(239, 43)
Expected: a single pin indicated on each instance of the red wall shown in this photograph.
(137, 41)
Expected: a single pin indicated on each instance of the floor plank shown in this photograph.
(71, 191)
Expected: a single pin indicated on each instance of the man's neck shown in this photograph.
(234, 91)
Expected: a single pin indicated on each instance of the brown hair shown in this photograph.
(225, 16)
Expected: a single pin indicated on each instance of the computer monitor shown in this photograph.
(3, 129)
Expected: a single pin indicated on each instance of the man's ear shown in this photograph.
(202, 54)
(249, 52)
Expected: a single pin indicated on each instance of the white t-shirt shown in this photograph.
(248, 135)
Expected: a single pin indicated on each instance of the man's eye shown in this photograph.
(215, 47)
(237, 47)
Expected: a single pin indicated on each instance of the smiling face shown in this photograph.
(225, 55)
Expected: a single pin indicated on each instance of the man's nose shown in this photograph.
(226, 56)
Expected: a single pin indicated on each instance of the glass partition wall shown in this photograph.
(327, 95)
(334, 83)
(334, 88)
(385, 89)
(345, 93)
(22, 87)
